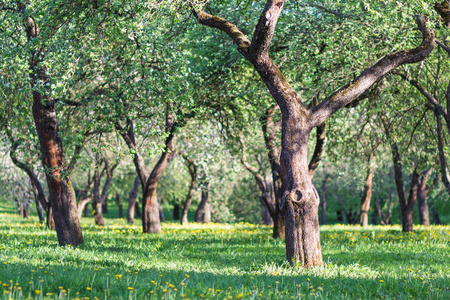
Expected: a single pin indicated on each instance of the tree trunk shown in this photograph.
(86, 210)
(267, 219)
(436, 219)
(61, 193)
(137, 210)
(105, 206)
(96, 205)
(39, 208)
(365, 201)
(176, 212)
(119, 205)
(207, 214)
(150, 206)
(192, 168)
(300, 200)
(202, 204)
(132, 201)
(422, 195)
(161, 213)
(270, 130)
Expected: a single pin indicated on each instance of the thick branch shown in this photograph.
(351, 91)
(226, 26)
(263, 34)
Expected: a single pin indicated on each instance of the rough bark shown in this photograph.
(192, 168)
(300, 200)
(132, 201)
(367, 195)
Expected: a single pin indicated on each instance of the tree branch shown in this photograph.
(263, 34)
(351, 91)
(226, 26)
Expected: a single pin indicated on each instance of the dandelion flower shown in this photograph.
(240, 296)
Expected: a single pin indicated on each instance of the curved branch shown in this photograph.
(351, 91)
(226, 26)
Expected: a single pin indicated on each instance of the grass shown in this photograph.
(220, 261)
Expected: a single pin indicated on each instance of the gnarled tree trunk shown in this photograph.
(201, 206)
(300, 200)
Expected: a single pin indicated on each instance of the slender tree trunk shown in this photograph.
(96, 205)
(132, 201)
(119, 205)
(39, 208)
(86, 210)
(137, 210)
(192, 168)
(422, 195)
(105, 206)
(176, 212)
(436, 219)
(202, 204)
(365, 201)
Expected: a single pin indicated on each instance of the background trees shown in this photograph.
(143, 84)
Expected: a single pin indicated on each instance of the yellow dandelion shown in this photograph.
(130, 288)
(381, 281)
(37, 292)
(187, 276)
(240, 296)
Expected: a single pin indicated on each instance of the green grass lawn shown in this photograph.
(220, 261)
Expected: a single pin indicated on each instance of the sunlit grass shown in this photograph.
(220, 261)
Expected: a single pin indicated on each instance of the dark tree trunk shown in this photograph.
(365, 200)
(161, 213)
(119, 205)
(435, 214)
(192, 168)
(422, 195)
(86, 211)
(39, 208)
(137, 210)
(176, 212)
(132, 201)
(267, 219)
(105, 206)
(300, 200)
(201, 206)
